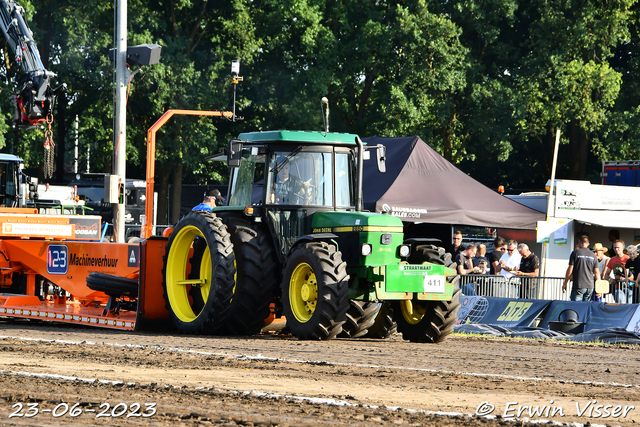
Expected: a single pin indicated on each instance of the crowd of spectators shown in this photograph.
(509, 259)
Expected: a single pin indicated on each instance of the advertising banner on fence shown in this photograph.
(557, 307)
(472, 309)
(634, 323)
(512, 313)
(603, 315)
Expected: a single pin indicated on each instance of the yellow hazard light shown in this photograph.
(248, 210)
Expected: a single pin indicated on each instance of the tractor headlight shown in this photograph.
(366, 249)
(405, 251)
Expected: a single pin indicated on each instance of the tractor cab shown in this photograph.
(287, 176)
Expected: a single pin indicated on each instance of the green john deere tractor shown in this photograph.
(293, 233)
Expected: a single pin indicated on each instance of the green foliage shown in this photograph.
(486, 83)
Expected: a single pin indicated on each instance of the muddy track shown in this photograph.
(277, 380)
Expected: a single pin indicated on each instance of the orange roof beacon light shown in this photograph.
(501, 189)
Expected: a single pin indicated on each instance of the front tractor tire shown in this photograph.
(383, 326)
(199, 303)
(426, 321)
(361, 315)
(315, 291)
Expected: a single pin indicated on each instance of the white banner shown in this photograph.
(23, 229)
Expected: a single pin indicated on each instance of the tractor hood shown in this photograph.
(324, 222)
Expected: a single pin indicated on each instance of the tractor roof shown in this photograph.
(10, 158)
(298, 136)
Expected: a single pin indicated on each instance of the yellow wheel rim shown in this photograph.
(176, 278)
(412, 312)
(303, 292)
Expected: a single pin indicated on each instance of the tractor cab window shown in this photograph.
(345, 180)
(7, 184)
(300, 178)
(246, 179)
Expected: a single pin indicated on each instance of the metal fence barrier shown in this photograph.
(622, 292)
(549, 288)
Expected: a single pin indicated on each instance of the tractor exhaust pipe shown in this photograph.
(359, 172)
(325, 102)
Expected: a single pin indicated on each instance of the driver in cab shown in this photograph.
(289, 189)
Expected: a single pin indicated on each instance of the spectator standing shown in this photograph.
(457, 245)
(500, 248)
(614, 236)
(465, 266)
(616, 266)
(481, 255)
(510, 261)
(583, 268)
(464, 260)
(483, 267)
(599, 250)
(212, 198)
(529, 267)
(632, 270)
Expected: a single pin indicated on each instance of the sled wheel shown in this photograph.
(360, 317)
(113, 285)
(315, 291)
(384, 326)
(426, 321)
(214, 279)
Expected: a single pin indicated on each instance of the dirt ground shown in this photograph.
(68, 375)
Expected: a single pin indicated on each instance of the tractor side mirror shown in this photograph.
(234, 154)
(381, 157)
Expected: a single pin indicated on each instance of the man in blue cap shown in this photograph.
(212, 198)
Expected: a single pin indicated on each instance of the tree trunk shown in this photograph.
(176, 193)
(579, 151)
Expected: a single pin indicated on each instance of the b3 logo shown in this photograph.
(514, 311)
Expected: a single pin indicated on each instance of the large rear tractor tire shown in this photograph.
(315, 291)
(360, 317)
(208, 311)
(256, 280)
(426, 321)
(384, 326)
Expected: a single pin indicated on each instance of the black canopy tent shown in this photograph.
(422, 186)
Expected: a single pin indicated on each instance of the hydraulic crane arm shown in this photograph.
(35, 100)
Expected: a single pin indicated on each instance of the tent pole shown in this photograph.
(551, 190)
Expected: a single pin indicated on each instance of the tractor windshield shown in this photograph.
(301, 178)
(310, 178)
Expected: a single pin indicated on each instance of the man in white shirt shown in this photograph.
(510, 261)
